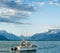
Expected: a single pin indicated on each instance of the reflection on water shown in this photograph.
(28, 52)
(22, 52)
(17, 51)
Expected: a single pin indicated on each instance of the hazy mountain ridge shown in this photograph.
(50, 35)
(8, 36)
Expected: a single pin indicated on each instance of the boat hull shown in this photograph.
(24, 48)
(28, 49)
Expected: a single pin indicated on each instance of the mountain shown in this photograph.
(51, 35)
(3, 38)
(8, 36)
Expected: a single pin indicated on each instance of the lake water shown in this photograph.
(42, 46)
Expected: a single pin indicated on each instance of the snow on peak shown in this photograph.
(53, 31)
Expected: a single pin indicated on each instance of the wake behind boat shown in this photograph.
(25, 46)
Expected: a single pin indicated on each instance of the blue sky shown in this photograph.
(28, 17)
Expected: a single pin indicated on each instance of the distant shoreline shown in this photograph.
(30, 40)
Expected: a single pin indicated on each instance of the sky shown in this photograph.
(27, 17)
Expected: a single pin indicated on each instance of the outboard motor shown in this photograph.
(12, 49)
(17, 48)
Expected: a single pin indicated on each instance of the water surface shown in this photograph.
(42, 46)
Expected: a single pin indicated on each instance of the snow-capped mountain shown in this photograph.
(52, 35)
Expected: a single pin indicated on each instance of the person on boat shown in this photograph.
(25, 43)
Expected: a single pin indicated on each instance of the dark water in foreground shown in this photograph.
(42, 46)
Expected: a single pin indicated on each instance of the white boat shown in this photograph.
(28, 49)
(25, 46)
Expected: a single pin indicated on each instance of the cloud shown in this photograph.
(10, 13)
(48, 2)
(14, 11)
(18, 1)
(41, 3)
(13, 16)
(9, 20)
(14, 5)
(57, 4)
(7, 12)
(54, 2)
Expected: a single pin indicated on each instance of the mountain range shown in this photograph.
(50, 35)
(8, 36)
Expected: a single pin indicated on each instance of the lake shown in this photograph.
(42, 46)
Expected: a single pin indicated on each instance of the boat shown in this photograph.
(25, 46)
